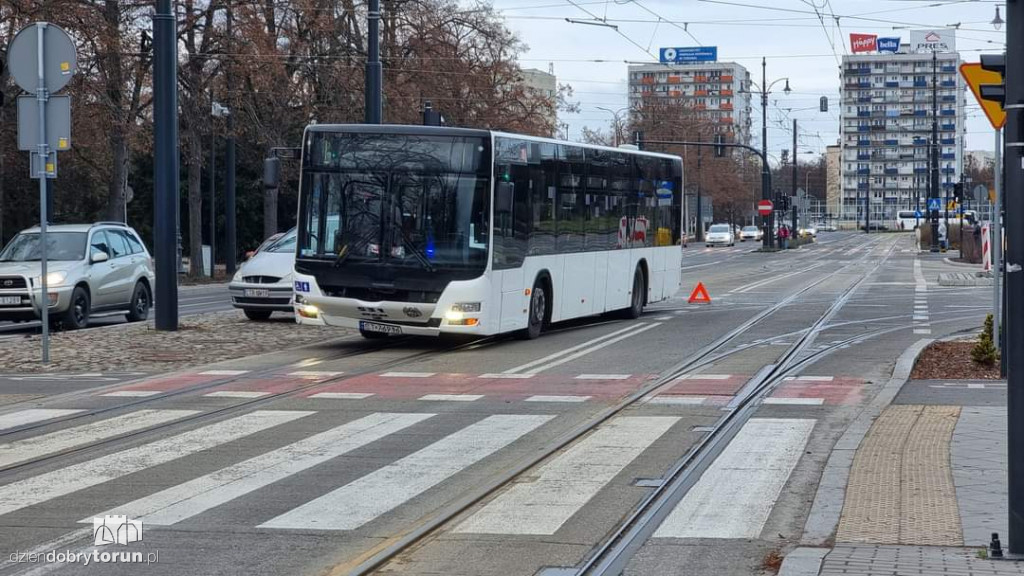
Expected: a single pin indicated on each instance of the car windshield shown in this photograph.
(68, 246)
(719, 228)
(750, 228)
(285, 243)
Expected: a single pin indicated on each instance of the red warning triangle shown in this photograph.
(700, 295)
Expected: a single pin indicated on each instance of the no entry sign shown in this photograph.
(764, 207)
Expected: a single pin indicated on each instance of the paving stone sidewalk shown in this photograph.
(201, 339)
(888, 560)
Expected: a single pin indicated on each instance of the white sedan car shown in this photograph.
(264, 284)
(751, 233)
(719, 235)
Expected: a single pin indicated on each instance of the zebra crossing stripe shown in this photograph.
(23, 417)
(194, 497)
(21, 450)
(734, 497)
(363, 500)
(50, 485)
(564, 485)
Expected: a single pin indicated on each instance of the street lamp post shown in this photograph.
(617, 126)
(766, 89)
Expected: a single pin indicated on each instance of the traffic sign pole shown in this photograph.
(44, 153)
(997, 243)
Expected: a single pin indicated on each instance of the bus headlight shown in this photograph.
(309, 311)
(466, 307)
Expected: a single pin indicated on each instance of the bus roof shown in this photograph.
(417, 130)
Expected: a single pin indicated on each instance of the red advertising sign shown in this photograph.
(863, 43)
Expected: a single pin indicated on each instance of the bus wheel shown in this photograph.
(636, 301)
(537, 314)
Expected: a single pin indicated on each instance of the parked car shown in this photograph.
(101, 267)
(720, 235)
(825, 227)
(751, 233)
(264, 283)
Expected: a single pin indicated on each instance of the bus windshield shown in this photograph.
(395, 199)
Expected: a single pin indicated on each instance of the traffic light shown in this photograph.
(994, 92)
(823, 104)
(958, 192)
(719, 150)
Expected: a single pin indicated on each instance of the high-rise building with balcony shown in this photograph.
(886, 130)
(718, 91)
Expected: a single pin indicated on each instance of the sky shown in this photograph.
(803, 40)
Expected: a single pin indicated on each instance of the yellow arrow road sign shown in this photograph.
(975, 77)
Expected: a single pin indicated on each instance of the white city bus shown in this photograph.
(427, 230)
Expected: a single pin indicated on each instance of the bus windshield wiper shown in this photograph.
(417, 254)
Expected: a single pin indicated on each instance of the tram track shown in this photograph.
(417, 534)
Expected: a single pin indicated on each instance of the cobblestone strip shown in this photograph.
(928, 507)
(871, 512)
(874, 560)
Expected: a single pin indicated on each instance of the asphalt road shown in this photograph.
(191, 300)
(312, 461)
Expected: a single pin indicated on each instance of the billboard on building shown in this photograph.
(689, 54)
(863, 43)
(889, 45)
(924, 41)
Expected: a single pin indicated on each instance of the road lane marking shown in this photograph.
(21, 450)
(365, 499)
(594, 348)
(132, 393)
(542, 398)
(196, 496)
(408, 374)
(15, 419)
(343, 395)
(503, 376)
(603, 377)
(815, 378)
(766, 281)
(314, 374)
(564, 485)
(734, 497)
(63, 481)
(676, 400)
(794, 401)
(451, 397)
(224, 372)
(922, 331)
(705, 377)
(525, 368)
(236, 394)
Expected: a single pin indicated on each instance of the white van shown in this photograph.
(907, 220)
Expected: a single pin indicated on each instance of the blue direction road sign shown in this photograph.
(934, 204)
(690, 54)
(918, 214)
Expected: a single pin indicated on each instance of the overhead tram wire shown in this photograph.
(612, 26)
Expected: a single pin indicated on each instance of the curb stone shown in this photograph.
(827, 508)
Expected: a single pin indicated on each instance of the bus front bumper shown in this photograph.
(342, 313)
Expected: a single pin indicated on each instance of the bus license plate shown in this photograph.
(382, 328)
(10, 300)
(257, 293)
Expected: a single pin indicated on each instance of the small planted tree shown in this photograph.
(984, 351)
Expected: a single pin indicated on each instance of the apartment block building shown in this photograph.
(717, 91)
(886, 130)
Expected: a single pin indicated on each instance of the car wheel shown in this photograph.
(138, 308)
(258, 315)
(636, 300)
(77, 316)
(538, 313)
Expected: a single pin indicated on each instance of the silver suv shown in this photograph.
(101, 267)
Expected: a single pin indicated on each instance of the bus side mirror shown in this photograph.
(271, 172)
(503, 197)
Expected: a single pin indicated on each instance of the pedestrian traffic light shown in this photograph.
(719, 149)
(958, 192)
(994, 92)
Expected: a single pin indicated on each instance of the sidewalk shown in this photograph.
(920, 493)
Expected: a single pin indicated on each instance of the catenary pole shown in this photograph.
(1013, 187)
(933, 152)
(374, 82)
(165, 136)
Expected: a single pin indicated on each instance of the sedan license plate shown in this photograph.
(10, 300)
(365, 326)
(257, 293)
